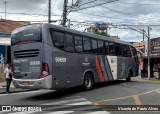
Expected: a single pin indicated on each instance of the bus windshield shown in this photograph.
(26, 33)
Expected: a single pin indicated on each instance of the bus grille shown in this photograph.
(26, 53)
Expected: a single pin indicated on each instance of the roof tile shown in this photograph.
(7, 26)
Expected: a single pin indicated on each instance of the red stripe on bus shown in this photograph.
(101, 77)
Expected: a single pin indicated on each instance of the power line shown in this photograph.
(28, 21)
(127, 14)
(99, 4)
(28, 14)
(137, 3)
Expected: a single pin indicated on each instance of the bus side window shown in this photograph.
(129, 54)
(124, 50)
(86, 45)
(107, 47)
(78, 44)
(94, 46)
(58, 38)
(112, 50)
(69, 44)
(100, 47)
(134, 52)
(118, 49)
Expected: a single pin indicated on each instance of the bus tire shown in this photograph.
(128, 79)
(88, 82)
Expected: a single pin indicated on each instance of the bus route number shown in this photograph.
(60, 59)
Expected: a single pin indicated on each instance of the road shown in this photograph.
(96, 101)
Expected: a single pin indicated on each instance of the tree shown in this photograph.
(102, 33)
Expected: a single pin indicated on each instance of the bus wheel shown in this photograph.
(128, 79)
(88, 82)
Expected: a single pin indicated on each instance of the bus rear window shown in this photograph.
(26, 33)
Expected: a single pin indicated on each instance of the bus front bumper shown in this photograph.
(42, 83)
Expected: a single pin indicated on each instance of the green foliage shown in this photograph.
(102, 33)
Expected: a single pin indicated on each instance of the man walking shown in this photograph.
(8, 77)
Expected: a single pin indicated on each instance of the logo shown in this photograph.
(6, 108)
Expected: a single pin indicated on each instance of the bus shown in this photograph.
(46, 56)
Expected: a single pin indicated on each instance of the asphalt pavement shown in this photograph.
(13, 89)
(137, 93)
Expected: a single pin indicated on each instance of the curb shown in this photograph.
(146, 80)
(14, 90)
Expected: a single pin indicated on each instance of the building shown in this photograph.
(6, 27)
(95, 30)
(142, 48)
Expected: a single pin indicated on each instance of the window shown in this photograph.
(129, 54)
(111, 49)
(134, 51)
(126, 51)
(118, 49)
(69, 45)
(100, 47)
(94, 46)
(78, 44)
(27, 33)
(86, 44)
(58, 38)
(107, 47)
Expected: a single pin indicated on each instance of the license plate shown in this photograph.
(25, 83)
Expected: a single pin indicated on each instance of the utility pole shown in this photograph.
(69, 23)
(143, 35)
(64, 20)
(49, 11)
(149, 53)
(5, 3)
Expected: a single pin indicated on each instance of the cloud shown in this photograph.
(144, 12)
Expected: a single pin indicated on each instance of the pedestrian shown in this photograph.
(8, 77)
(141, 67)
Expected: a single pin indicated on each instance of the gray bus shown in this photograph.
(47, 56)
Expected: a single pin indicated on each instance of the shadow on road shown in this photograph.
(64, 93)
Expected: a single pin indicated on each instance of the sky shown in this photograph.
(119, 12)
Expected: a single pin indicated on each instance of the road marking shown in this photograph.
(98, 112)
(158, 91)
(21, 93)
(137, 100)
(65, 101)
(81, 103)
(106, 100)
(100, 106)
(25, 112)
(72, 97)
(60, 112)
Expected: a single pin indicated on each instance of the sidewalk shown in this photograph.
(12, 88)
(152, 80)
